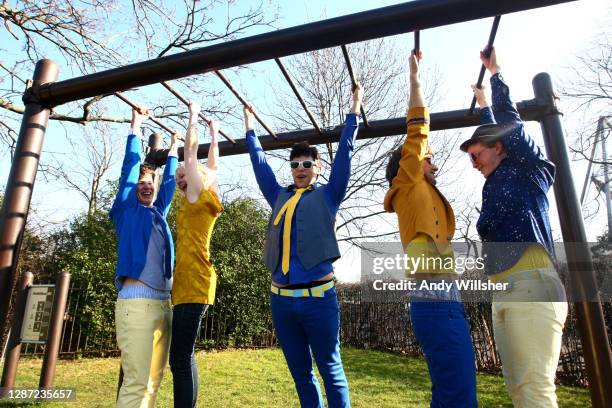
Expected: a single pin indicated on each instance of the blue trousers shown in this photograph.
(186, 320)
(305, 324)
(443, 332)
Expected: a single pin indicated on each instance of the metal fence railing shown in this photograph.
(386, 326)
(364, 324)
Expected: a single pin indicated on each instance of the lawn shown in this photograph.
(259, 378)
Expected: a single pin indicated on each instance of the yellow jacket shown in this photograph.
(420, 206)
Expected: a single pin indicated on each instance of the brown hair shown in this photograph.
(393, 165)
(147, 169)
(303, 149)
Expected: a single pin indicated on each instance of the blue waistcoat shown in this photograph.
(315, 227)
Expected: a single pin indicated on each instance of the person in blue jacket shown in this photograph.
(514, 225)
(145, 258)
(300, 248)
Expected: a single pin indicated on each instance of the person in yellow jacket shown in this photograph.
(195, 278)
(427, 224)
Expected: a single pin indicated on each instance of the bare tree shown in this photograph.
(88, 36)
(324, 83)
(86, 176)
(591, 86)
(589, 90)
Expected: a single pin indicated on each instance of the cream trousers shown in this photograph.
(144, 327)
(528, 322)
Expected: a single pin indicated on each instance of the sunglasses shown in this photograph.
(305, 164)
(474, 156)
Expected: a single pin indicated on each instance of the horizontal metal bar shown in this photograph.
(529, 110)
(349, 67)
(243, 101)
(487, 52)
(297, 95)
(201, 115)
(134, 106)
(367, 25)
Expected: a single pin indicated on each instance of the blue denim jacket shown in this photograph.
(133, 221)
(514, 202)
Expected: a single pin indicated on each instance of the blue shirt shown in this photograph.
(514, 204)
(334, 193)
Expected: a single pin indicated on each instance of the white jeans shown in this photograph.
(528, 322)
(144, 328)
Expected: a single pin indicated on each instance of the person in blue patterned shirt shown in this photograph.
(528, 317)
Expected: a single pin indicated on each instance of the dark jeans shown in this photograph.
(443, 332)
(186, 320)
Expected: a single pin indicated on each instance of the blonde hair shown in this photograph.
(201, 167)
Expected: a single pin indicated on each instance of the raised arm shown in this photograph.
(341, 167)
(213, 157)
(193, 176)
(415, 145)
(486, 114)
(168, 183)
(416, 99)
(517, 142)
(131, 161)
(503, 109)
(263, 172)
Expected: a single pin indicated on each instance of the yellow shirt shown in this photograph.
(427, 257)
(195, 279)
(419, 206)
(534, 257)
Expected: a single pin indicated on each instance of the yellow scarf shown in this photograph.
(288, 209)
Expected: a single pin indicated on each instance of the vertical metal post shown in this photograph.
(14, 344)
(52, 347)
(589, 313)
(604, 158)
(19, 187)
(155, 144)
(587, 178)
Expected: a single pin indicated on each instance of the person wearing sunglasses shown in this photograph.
(514, 225)
(427, 224)
(299, 251)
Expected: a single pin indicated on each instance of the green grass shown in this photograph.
(259, 378)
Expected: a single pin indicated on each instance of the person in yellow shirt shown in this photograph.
(427, 224)
(195, 278)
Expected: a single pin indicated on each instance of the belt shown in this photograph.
(317, 291)
(533, 274)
